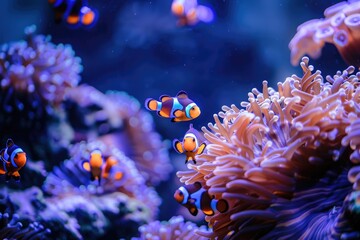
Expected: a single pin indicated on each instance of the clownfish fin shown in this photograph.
(193, 211)
(89, 17)
(2, 171)
(9, 142)
(178, 113)
(164, 98)
(201, 148)
(162, 114)
(208, 212)
(182, 94)
(191, 126)
(151, 104)
(86, 166)
(118, 176)
(222, 206)
(178, 146)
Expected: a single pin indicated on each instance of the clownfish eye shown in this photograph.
(193, 108)
(180, 193)
(193, 139)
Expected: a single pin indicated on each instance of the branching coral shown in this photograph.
(118, 121)
(174, 229)
(340, 27)
(35, 74)
(286, 163)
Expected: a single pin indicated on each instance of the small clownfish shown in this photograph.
(189, 12)
(13, 158)
(98, 170)
(179, 108)
(74, 12)
(193, 144)
(194, 197)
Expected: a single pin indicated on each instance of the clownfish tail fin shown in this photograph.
(151, 104)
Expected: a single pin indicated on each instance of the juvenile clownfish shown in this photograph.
(194, 197)
(74, 12)
(189, 12)
(98, 170)
(13, 158)
(179, 108)
(193, 144)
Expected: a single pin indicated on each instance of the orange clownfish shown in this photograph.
(74, 12)
(194, 197)
(193, 144)
(179, 108)
(13, 158)
(189, 12)
(98, 170)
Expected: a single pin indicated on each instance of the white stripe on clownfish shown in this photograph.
(176, 106)
(16, 151)
(185, 193)
(188, 108)
(159, 106)
(191, 135)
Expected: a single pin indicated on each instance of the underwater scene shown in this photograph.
(179, 119)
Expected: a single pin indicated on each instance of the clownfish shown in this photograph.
(189, 12)
(13, 158)
(98, 170)
(194, 197)
(74, 12)
(193, 144)
(179, 108)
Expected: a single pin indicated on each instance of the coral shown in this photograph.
(79, 216)
(116, 119)
(288, 163)
(35, 74)
(175, 229)
(340, 27)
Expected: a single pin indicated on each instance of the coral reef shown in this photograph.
(77, 216)
(287, 163)
(174, 229)
(340, 27)
(39, 81)
(36, 73)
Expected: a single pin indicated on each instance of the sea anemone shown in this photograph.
(288, 163)
(175, 229)
(10, 228)
(340, 27)
(116, 119)
(71, 178)
(35, 74)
